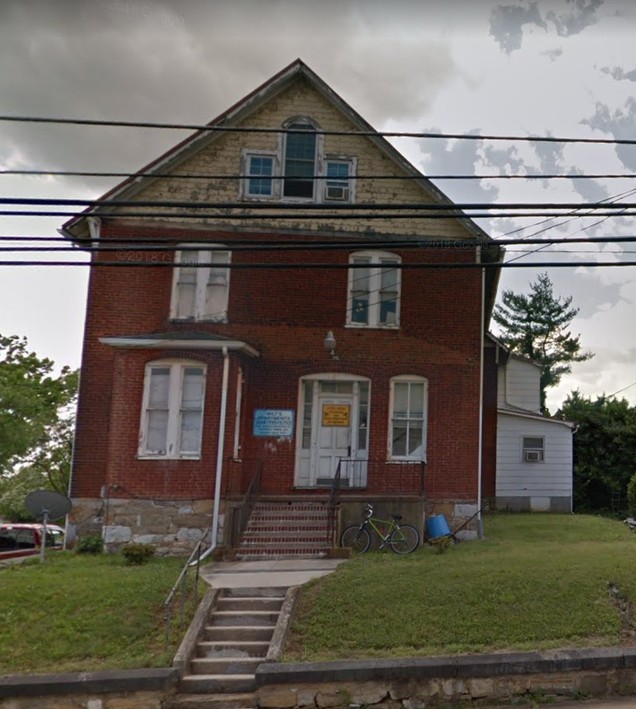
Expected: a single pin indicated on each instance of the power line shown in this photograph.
(299, 206)
(215, 128)
(327, 266)
(199, 176)
(448, 212)
(192, 244)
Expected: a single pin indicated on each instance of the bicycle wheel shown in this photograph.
(356, 538)
(404, 539)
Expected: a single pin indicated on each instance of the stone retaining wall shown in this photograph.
(411, 683)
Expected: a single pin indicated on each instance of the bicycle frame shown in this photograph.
(373, 522)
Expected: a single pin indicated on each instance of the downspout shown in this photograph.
(219, 456)
(482, 324)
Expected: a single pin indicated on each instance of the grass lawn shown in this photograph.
(538, 581)
(83, 612)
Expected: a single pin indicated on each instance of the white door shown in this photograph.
(333, 439)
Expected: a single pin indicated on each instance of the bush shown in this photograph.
(631, 495)
(136, 553)
(90, 544)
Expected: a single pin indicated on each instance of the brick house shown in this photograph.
(287, 343)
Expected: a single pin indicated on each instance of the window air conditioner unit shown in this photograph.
(533, 456)
(337, 193)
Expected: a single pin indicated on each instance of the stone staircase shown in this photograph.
(280, 530)
(234, 641)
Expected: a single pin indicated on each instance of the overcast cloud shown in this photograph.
(550, 67)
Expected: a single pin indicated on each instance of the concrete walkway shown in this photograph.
(262, 574)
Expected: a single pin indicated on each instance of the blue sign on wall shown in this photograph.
(275, 423)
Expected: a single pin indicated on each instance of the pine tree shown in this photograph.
(536, 326)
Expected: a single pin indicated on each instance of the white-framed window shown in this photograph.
(260, 171)
(200, 287)
(407, 420)
(338, 182)
(532, 449)
(300, 159)
(374, 290)
(172, 410)
(297, 169)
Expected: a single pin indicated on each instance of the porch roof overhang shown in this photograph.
(180, 341)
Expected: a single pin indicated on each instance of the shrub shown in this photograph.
(90, 544)
(631, 495)
(136, 553)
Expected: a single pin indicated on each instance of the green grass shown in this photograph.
(79, 612)
(536, 582)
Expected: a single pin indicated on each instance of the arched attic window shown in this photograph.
(300, 158)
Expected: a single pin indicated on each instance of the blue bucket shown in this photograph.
(437, 526)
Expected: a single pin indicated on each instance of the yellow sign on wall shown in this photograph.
(336, 414)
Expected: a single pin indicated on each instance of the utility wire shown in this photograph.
(216, 128)
(199, 176)
(329, 266)
(148, 244)
(319, 207)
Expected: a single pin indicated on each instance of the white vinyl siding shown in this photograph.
(515, 477)
(374, 290)
(520, 385)
(407, 428)
(200, 292)
(172, 412)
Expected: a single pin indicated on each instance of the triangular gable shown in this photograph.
(77, 228)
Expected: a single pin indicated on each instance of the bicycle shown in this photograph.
(401, 538)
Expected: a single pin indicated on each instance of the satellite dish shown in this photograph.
(46, 505)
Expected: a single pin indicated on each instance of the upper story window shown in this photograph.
(172, 410)
(298, 169)
(260, 171)
(201, 285)
(338, 185)
(407, 435)
(300, 160)
(374, 290)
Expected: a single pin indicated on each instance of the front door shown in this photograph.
(333, 435)
(333, 426)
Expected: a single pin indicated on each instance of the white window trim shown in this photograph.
(246, 154)
(177, 370)
(201, 284)
(413, 379)
(278, 174)
(351, 182)
(532, 454)
(374, 305)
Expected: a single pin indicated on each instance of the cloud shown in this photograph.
(620, 74)
(507, 22)
(620, 124)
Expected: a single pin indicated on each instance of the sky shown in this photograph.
(563, 68)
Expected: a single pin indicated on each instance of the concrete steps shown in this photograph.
(283, 530)
(233, 642)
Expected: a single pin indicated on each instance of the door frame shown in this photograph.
(306, 468)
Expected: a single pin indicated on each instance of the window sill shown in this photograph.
(147, 456)
(360, 326)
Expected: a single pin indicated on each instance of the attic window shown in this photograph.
(300, 160)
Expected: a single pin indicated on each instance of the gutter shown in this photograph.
(219, 457)
(480, 522)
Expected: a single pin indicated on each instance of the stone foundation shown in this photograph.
(173, 527)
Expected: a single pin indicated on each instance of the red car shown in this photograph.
(22, 539)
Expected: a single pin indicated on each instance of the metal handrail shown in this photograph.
(181, 584)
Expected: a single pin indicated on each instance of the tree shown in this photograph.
(536, 326)
(604, 449)
(36, 424)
